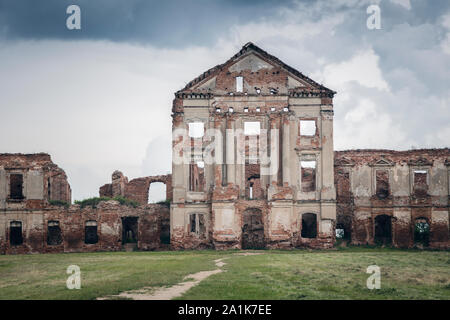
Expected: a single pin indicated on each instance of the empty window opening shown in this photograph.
(273, 91)
(286, 109)
(343, 230)
(253, 188)
(272, 109)
(218, 110)
(230, 110)
(16, 186)
(197, 176)
(130, 229)
(422, 232)
(258, 109)
(258, 90)
(245, 109)
(157, 192)
(420, 188)
(382, 184)
(309, 225)
(252, 128)
(54, 234)
(15, 233)
(197, 224)
(224, 175)
(307, 127)
(239, 84)
(383, 230)
(90, 232)
(343, 185)
(308, 176)
(196, 129)
(48, 189)
(252, 229)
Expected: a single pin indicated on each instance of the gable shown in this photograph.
(261, 70)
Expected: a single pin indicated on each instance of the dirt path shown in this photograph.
(168, 293)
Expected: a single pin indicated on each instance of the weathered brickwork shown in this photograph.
(31, 222)
(255, 202)
(72, 222)
(386, 197)
(275, 181)
(136, 189)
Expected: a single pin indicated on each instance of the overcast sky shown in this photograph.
(100, 98)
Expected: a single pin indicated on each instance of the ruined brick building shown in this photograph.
(253, 167)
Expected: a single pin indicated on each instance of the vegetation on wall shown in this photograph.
(93, 202)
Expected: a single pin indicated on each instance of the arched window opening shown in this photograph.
(157, 192)
(15, 233)
(54, 234)
(422, 232)
(90, 232)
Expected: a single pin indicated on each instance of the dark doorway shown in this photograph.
(90, 232)
(164, 236)
(54, 235)
(309, 225)
(16, 186)
(253, 229)
(15, 233)
(383, 230)
(422, 232)
(129, 230)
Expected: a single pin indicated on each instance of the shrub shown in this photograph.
(59, 203)
(93, 202)
(164, 202)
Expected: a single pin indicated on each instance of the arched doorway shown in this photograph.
(383, 229)
(252, 229)
(422, 232)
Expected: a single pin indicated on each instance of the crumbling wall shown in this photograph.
(31, 181)
(403, 185)
(135, 189)
(72, 222)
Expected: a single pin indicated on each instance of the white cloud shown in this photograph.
(362, 68)
(404, 3)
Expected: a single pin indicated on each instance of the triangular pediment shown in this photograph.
(420, 162)
(383, 162)
(253, 59)
(344, 162)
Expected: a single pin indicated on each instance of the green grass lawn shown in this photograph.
(296, 274)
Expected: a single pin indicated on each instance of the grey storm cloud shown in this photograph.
(162, 23)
